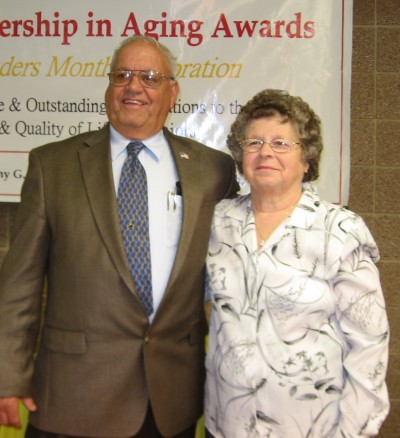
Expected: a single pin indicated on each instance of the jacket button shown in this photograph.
(146, 339)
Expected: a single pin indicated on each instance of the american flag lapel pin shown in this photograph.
(184, 155)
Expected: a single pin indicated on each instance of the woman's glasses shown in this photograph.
(279, 145)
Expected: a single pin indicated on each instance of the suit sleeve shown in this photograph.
(21, 286)
(233, 187)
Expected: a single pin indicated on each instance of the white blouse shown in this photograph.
(298, 343)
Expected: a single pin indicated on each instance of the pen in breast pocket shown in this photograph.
(171, 201)
(171, 204)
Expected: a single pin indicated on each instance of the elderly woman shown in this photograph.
(298, 343)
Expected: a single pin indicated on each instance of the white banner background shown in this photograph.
(56, 55)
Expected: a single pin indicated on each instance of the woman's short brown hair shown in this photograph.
(271, 103)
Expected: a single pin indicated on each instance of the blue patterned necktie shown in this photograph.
(134, 219)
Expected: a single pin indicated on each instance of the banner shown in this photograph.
(56, 55)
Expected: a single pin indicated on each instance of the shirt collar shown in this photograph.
(155, 144)
(302, 216)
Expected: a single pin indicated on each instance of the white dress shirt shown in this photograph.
(165, 208)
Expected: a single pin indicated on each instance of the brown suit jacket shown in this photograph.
(99, 360)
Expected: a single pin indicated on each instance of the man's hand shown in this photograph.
(9, 412)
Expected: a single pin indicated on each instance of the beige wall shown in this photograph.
(375, 155)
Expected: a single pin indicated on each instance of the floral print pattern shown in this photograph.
(298, 343)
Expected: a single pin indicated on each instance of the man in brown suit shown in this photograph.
(105, 368)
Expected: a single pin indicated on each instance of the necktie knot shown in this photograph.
(134, 148)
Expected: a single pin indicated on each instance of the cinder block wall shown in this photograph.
(375, 160)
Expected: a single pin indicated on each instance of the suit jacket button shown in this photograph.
(146, 339)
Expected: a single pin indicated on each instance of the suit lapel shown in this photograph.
(95, 160)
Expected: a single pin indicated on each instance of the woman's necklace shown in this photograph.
(273, 224)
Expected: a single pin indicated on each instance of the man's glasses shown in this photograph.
(279, 145)
(148, 78)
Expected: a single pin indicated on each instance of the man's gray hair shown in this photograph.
(143, 39)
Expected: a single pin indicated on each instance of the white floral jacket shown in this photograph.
(298, 343)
